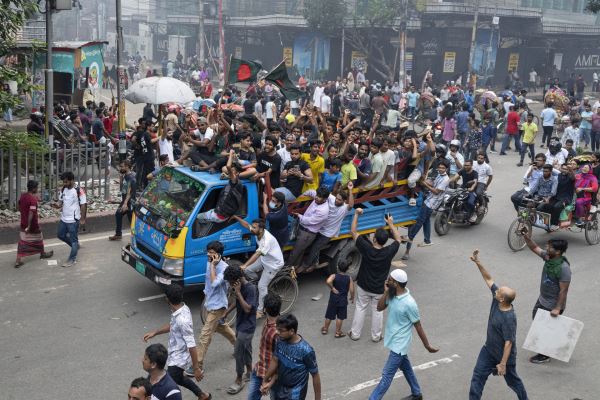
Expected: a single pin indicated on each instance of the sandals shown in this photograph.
(425, 244)
(340, 335)
(236, 388)
(19, 264)
(324, 331)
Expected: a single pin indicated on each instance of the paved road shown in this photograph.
(77, 333)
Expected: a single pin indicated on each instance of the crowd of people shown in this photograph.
(342, 136)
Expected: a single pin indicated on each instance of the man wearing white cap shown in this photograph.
(403, 314)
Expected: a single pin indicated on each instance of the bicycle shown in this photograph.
(284, 284)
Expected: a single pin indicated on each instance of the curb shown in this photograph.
(97, 222)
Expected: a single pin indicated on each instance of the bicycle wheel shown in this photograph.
(229, 319)
(592, 234)
(285, 287)
(516, 242)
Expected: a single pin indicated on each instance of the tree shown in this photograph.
(13, 14)
(368, 26)
(593, 6)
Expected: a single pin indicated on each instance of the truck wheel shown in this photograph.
(230, 319)
(350, 253)
(287, 288)
(441, 225)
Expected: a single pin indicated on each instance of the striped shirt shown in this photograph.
(268, 339)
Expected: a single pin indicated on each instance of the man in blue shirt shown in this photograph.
(548, 116)
(293, 360)
(462, 123)
(403, 314)
(215, 300)
(413, 98)
(498, 356)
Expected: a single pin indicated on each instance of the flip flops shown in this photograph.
(236, 388)
(340, 335)
(324, 331)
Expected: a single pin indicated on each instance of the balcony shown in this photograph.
(33, 30)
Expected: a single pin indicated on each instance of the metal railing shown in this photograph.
(88, 162)
(33, 30)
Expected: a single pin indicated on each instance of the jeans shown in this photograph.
(254, 387)
(595, 136)
(212, 325)
(525, 147)
(506, 142)
(584, 136)
(471, 201)
(365, 299)
(547, 134)
(412, 111)
(265, 279)
(485, 364)
(182, 380)
(119, 219)
(423, 220)
(493, 141)
(242, 349)
(67, 232)
(395, 362)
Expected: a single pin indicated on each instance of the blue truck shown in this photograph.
(168, 244)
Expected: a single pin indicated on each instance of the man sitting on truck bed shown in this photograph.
(229, 199)
(294, 174)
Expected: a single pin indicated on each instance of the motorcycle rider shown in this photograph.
(455, 158)
(484, 175)
(469, 182)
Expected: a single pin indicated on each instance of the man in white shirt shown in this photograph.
(268, 258)
(270, 111)
(548, 116)
(317, 95)
(73, 202)
(532, 80)
(284, 152)
(326, 102)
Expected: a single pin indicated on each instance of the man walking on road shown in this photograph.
(498, 356)
(374, 268)
(128, 191)
(73, 202)
(182, 346)
(403, 314)
(556, 278)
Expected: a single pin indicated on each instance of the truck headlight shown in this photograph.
(173, 266)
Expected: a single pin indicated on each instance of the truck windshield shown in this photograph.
(168, 200)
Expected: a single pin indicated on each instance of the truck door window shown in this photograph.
(205, 229)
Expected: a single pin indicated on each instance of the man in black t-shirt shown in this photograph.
(268, 161)
(372, 274)
(143, 154)
(498, 355)
(128, 192)
(469, 181)
(230, 198)
(294, 174)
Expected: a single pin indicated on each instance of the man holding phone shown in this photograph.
(215, 300)
(498, 356)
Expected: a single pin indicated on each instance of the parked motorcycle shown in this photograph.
(454, 210)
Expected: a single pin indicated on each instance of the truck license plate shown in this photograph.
(140, 267)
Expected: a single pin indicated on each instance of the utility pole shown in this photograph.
(473, 38)
(120, 85)
(201, 33)
(343, 45)
(49, 73)
(222, 42)
(402, 44)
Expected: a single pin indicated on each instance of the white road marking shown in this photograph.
(374, 382)
(158, 296)
(52, 262)
(54, 244)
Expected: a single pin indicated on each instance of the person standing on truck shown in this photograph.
(310, 223)
(339, 206)
(73, 202)
(266, 261)
(294, 174)
(230, 198)
(215, 300)
(182, 346)
(372, 274)
(276, 215)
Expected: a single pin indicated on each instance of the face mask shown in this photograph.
(272, 205)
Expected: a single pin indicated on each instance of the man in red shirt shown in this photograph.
(512, 131)
(31, 240)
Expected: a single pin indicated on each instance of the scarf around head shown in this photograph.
(553, 266)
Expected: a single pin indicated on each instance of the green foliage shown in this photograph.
(378, 13)
(326, 16)
(22, 142)
(593, 6)
(13, 14)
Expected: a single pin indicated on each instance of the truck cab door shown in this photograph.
(231, 233)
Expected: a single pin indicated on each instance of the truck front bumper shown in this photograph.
(149, 271)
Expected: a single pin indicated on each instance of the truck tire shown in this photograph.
(348, 252)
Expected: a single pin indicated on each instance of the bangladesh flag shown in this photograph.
(279, 77)
(242, 70)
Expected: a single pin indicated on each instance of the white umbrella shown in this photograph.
(160, 90)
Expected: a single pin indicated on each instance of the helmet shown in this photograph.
(440, 148)
(555, 146)
(455, 142)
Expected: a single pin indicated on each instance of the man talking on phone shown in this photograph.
(498, 356)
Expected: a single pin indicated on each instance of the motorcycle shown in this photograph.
(454, 210)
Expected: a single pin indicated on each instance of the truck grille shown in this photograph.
(149, 253)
